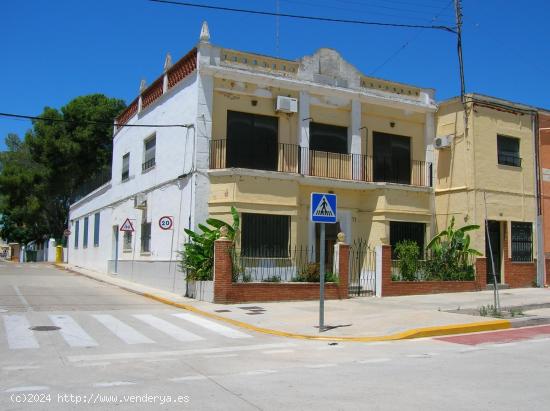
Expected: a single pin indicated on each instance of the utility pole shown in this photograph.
(458, 14)
(277, 8)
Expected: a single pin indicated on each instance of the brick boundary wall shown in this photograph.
(227, 292)
(397, 288)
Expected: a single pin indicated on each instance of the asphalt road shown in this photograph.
(118, 350)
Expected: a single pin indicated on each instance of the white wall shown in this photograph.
(166, 194)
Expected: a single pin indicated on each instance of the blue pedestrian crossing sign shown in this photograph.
(323, 208)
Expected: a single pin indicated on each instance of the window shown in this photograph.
(400, 231)
(252, 141)
(85, 239)
(127, 241)
(76, 233)
(149, 153)
(126, 167)
(522, 242)
(96, 230)
(146, 237)
(265, 235)
(392, 158)
(508, 151)
(324, 137)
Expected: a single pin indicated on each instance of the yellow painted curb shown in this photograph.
(409, 334)
(404, 335)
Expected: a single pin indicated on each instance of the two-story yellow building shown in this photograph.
(485, 172)
(282, 129)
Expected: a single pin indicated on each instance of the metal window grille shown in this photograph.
(85, 239)
(149, 153)
(265, 235)
(400, 231)
(76, 233)
(508, 151)
(96, 229)
(127, 241)
(522, 242)
(145, 237)
(126, 167)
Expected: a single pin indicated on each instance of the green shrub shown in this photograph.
(451, 255)
(272, 279)
(310, 273)
(408, 255)
(197, 257)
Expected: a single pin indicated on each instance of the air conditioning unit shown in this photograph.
(140, 201)
(287, 104)
(442, 142)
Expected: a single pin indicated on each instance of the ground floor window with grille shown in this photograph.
(522, 242)
(400, 231)
(127, 241)
(265, 235)
(146, 237)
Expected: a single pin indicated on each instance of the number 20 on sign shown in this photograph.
(166, 222)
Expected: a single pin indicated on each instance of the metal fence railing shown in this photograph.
(92, 184)
(292, 158)
(362, 269)
(298, 264)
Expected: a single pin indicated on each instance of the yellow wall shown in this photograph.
(470, 168)
(370, 209)
(229, 95)
(377, 118)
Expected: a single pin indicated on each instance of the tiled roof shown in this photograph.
(185, 66)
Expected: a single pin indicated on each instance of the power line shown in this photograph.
(377, 6)
(406, 44)
(303, 17)
(363, 9)
(111, 123)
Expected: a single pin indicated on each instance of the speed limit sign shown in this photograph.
(166, 222)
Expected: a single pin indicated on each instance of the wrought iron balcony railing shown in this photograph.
(291, 158)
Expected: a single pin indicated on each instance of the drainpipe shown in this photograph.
(541, 275)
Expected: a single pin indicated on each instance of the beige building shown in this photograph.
(488, 173)
(283, 129)
(261, 134)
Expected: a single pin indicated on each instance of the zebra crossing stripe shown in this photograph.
(18, 333)
(212, 326)
(122, 330)
(170, 329)
(71, 332)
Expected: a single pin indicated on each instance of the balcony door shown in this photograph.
(328, 146)
(252, 141)
(392, 158)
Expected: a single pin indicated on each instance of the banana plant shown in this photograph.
(451, 251)
(197, 257)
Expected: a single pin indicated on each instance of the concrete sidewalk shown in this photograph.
(361, 318)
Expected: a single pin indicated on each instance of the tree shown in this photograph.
(19, 203)
(40, 176)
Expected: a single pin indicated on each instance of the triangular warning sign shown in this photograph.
(324, 209)
(127, 226)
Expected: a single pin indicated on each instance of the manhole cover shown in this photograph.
(45, 328)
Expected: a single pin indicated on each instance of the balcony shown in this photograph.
(291, 158)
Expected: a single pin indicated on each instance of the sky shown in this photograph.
(55, 50)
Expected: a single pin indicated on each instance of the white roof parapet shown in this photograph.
(205, 33)
(167, 62)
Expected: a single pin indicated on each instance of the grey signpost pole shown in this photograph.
(323, 211)
(322, 278)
